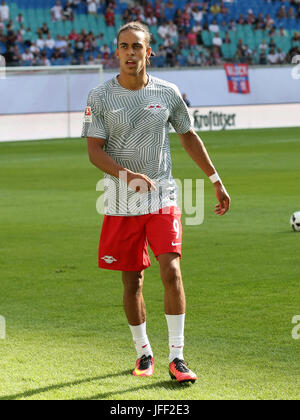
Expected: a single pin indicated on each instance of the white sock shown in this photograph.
(140, 340)
(176, 336)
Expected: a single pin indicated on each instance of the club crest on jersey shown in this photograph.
(154, 107)
(88, 114)
(108, 259)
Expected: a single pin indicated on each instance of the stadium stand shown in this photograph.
(203, 33)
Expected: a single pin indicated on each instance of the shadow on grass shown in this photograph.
(36, 391)
(31, 393)
(168, 385)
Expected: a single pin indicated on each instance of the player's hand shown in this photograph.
(223, 197)
(140, 183)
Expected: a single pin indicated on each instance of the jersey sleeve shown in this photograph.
(179, 115)
(93, 123)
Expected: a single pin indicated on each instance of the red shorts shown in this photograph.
(124, 239)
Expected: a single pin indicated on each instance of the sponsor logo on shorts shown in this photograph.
(176, 243)
(108, 259)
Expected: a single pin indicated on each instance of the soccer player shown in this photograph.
(126, 124)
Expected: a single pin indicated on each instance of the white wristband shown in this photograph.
(215, 178)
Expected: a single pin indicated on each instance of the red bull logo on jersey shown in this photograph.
(154, 106)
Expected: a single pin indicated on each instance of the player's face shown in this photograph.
(132, 52)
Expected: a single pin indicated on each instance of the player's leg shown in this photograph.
(175, 306)
(133, 299)
(164, 233)
(172, 280)
(135, 310)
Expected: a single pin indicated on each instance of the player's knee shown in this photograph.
(172, 276)
(133, 283)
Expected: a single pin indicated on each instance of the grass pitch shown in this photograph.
(67, 336)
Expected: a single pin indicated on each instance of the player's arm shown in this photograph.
(105, 163)
(197, 151)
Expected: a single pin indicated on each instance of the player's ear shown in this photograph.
(117, 53)
(149, 50)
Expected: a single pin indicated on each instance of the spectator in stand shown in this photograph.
(20, 18)
(4, 12)
(159, 11)
(191, 59)
(186, 17)
(192, 38)
(57, 12)
(49, 42)
(73, 36)
(227, 39)
(13, 56)
(90, 60)
(74, 3)
(250, 17)
(27, 56)
(281, 14)
(126, 16)
(79, 45)
(21, 33)
(163, 30)
(40, 43)
(241, 20)
(269, 22)
(151, 20)
(34, 49)
(217, 41)
(68, 12)
(172, 30)
(178, 19)
(263, 46)
(232, 25)
(92, 7)
(215, 9)
(197, 15)
(148, 9)
(272, 44)
(105, 51)
(214, 27)
(44, 61)
(109, 16)
(291, 13)
(263, 58)
(168, 42)
(61, 44)
(272, 57)
(223, 9)
(281, 56)
(27, 37)
(43, 30)
(2, 26)
(296, 37)
(216, 56)
(248, 54)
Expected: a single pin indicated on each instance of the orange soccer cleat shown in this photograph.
(144, 366)
(178, 370)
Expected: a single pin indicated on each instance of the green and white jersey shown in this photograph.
(135, 125)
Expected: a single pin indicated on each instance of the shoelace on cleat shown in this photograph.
(145, 362)
(180, 366)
